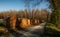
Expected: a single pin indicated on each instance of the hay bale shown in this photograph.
(36, 21)
(13, 22)
(25, 23)
(29, 22)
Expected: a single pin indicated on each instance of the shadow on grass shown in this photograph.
(51, 31)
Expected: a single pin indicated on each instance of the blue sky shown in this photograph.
(6, 5)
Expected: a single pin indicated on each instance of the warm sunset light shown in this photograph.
(29, 18)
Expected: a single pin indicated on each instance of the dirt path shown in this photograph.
(34, 31)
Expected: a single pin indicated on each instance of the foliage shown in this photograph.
(1, 33)
(1, 23)
(51, 30)
(55, 16)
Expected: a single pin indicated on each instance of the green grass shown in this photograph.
(51, 30)
(52, 26)
(2, 27)
(1, 20)
(1, 23)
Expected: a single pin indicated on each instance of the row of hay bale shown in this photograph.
(11, 22)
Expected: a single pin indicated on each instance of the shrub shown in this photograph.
(1, 23)
(51, 30)
(1, 33)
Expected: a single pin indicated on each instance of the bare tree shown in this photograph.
(31, 4)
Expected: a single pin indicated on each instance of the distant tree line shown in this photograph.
(35, 14)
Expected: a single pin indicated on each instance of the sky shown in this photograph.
(6, 5)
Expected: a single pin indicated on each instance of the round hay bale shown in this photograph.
(25, 23)
(29, 22)
(13, 22)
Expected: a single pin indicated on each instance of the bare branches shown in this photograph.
(32, 3)
(37, 3)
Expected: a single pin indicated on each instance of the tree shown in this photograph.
(55, 16)
(31, 4)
